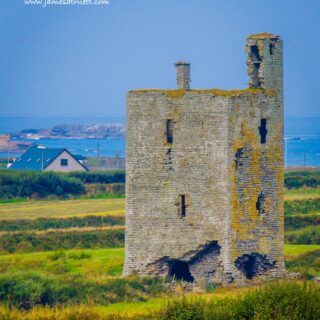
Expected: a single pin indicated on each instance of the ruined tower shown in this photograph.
(204, 189)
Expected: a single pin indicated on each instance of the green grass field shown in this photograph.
(301, 194)
(89, 263)
(62, 208)
(100, 264)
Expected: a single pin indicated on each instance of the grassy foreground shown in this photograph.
(64, 281)
(280, 301)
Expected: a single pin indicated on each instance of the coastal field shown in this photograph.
(63, 259)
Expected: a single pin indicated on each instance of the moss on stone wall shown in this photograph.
(215, 92)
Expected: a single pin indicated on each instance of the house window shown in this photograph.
(169, 131)
(183, 208)
(64, 162)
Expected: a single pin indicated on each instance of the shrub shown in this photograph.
(302, 206)
(299, 179)
(23, 184)
(63, 223)
(50, 241)
(26, 290)
(275, 301)
(309, 235)
(104, 177)
(300, 222)
(307, 263)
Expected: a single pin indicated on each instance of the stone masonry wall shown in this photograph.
(195, 165)
(208, 206)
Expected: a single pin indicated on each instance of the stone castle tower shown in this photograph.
(205, 176)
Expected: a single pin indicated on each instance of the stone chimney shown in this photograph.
(183, 75)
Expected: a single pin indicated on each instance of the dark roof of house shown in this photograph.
(37, 158)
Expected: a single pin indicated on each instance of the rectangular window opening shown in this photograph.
(169, 131)
(64, 162)
(183, 205)
(263, 131)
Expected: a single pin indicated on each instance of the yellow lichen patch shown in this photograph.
(216, 92)
(263, 35)
(244, 219)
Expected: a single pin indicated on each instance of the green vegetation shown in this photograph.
(100, 177)
(302, 206)
(38, 185)
(62, 209)
(91, 263)
(307, 263)
(26, 290)
(300, 179)
(64, 239)
(292, 251)
(301, 194)
(295, 222)
(62, 223)
(309, 235)
(30, 184)
(275, 301)
(62, 259)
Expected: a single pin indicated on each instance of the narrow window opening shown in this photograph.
(260, 202)
(271, 47)
(263, 131)
(169, 131)
(239, 155)
(254, 52)
(183, 205)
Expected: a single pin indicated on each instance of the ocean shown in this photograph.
(302, 138)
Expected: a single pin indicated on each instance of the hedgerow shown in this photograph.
(62, 223)
(302, 206)
(25, 290)
(24, 242)
(309, 235)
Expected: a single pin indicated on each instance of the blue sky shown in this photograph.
(81, 60)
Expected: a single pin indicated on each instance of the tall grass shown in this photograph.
(302, 206)
(26, 290)
(62, 223)
(300, 221)
(309, 235)
(282, 301)
(52, 240)
(276, 301)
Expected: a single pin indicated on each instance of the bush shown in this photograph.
(20, 184)
(309, 235)
(99, 176)
(33, 184)
(275, 301)
(26, 290)
(51, 241)
(306, 263)
(300, 222)
(299, 179)
(302, 206)
(63, 223)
